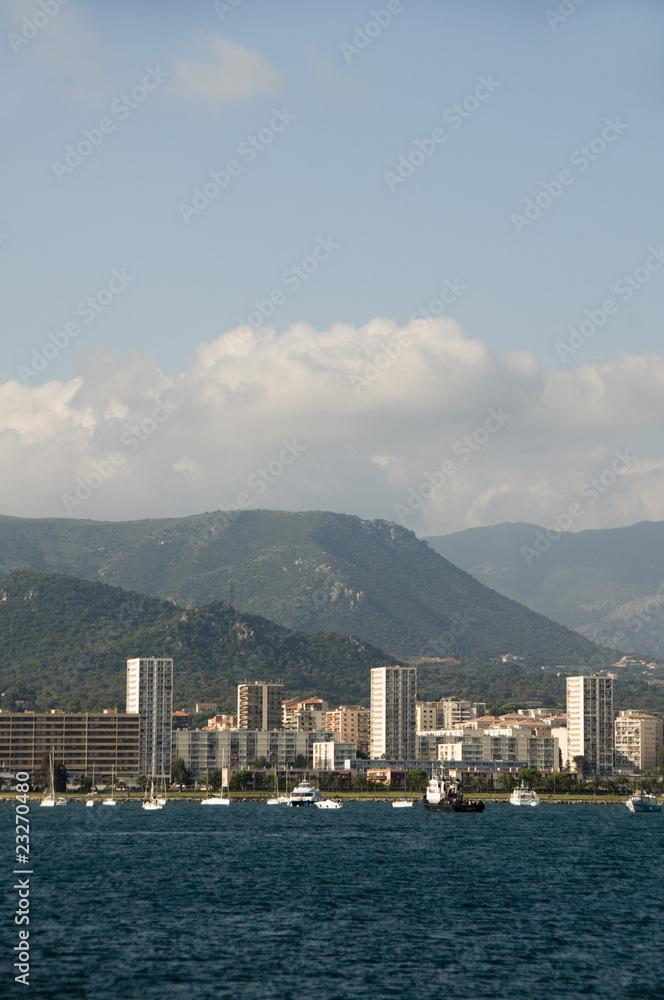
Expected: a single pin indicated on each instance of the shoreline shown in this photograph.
(196, 797)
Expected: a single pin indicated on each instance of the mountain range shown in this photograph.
(311, 572)
(607, 584)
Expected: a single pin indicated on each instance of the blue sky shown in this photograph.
(560, 118)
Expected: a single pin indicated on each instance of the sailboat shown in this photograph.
(51, 799)
(277, 799)
(151, 801)
(111, 801)
(218, 799)
(93, 791)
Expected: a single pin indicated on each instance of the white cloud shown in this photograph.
(225, 71)
(355, 420)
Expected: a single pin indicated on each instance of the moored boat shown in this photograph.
(523, 796)
(643, 802)
(447, 796)
(327, 804)
(51, 799)
(304, 795)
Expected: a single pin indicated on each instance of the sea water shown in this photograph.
(368, 902)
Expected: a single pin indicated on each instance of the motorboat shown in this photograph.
(305, 795)
(403, 803)
(328, 804)
(643, 802)
(523, 796)
(447, 796)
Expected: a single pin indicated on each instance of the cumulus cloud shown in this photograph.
(225, 71)
(418, 424)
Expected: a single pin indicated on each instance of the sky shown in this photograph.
(401, 260)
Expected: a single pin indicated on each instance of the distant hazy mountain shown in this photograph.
(607, 584)
(314, 571)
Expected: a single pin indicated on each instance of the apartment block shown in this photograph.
(205, 750)
(259, 705)
(446, 713)
(508, 744)
(352, 724)
(305, 715)
(638, 736)
(103, 742)
(590, 722)
(150, 696)
(332, 755)
(393, 712)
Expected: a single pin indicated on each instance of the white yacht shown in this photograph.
(328, 804)
(305, 795)
(402, 803)
(523, 796)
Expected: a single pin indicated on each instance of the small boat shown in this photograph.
(328, 804)
(111, 800)
(402, 803)
(643, 802)
(152, 802)
(277, 799)
(51, 799)
(304, 795)
(447, 796)
(523, 796)
(93, 791)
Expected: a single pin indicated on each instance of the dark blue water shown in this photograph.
(252, 902)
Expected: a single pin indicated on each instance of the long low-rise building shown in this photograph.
(204, 750)
(509, 744)
(101, 741)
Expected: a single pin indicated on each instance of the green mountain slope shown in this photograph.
(64, 643)
(607, 584)
(312, 571)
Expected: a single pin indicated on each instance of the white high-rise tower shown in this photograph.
(393, 700)
(150, 696)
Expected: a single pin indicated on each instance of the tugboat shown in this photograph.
(447, 796)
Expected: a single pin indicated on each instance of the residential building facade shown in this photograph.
(103, 742)
(393, 712)
(590, 722)
(259, 705)
(332, 755)
(306, 715)
(150, 696)
(638, 736)
(206, 750)
(352, 724)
